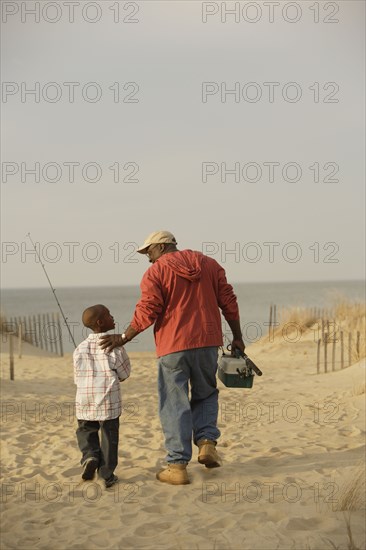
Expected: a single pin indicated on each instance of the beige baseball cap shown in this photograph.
(158, 237)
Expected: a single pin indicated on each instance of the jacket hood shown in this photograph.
(185, 263)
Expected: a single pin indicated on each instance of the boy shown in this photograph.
(97, 375)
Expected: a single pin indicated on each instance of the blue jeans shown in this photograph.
(181, 417)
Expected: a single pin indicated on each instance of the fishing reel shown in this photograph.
(248, 367)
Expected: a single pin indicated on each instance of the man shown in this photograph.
(181, 294)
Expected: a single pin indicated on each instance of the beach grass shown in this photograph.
(344, 316)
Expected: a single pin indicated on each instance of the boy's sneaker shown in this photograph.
(110, 481)
(89, 467)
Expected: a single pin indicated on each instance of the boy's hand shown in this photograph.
(110, 341)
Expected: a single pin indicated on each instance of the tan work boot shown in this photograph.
(175, 474)
(207, 454)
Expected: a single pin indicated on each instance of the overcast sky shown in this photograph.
(241, 133)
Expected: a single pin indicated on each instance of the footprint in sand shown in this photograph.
(298, 480)
(224, 523)
(274, 450)
(303, 524)
(71, 472)
(157, 509)
(53, 507)
(349, 432)
(39, 472)
(262, 461)
(26, 438)
(21, 460)
(29, 542)
(146, 529)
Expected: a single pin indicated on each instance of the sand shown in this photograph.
(288, 446)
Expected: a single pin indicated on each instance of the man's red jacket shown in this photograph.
(182, 293)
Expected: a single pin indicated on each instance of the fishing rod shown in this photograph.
(53, 289)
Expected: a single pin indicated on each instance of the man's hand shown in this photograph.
(110, 341)
(237, 344)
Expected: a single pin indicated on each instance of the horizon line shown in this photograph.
(233, 283)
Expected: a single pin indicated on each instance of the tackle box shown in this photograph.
(234, 373)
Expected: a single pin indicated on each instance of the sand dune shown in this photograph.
(287, 445)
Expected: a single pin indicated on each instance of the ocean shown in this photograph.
(254, 300)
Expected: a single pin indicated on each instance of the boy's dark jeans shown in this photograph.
(105, 451)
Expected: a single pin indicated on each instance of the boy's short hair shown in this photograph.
(91, 315)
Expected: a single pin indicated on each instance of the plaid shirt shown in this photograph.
(97, 375)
